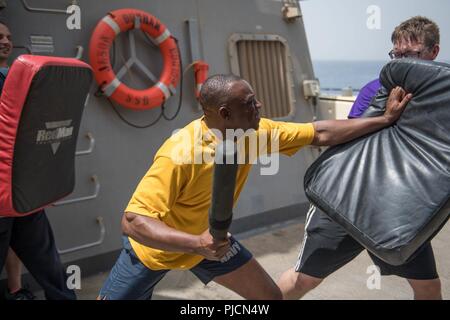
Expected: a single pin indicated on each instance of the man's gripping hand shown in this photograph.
(396, 103)
(210, 248)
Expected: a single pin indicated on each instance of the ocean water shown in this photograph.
(336, 75)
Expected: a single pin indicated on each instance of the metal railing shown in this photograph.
(91, 244)
(44, 10)
(89, 150)
(94, 179)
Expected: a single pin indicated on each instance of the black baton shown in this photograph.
(224, 182)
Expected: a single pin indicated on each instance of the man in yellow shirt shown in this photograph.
(166, 221)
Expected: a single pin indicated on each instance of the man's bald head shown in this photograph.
(216, 90)
(229, 102)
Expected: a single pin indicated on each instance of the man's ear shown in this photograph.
(224, 112)
(435, 51)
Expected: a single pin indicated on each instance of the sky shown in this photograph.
(361, 29)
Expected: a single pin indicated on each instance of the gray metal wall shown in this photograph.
(123, 154)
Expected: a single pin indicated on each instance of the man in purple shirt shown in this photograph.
(364, 98)
(326, 246)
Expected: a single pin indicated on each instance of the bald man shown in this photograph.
(166, 221)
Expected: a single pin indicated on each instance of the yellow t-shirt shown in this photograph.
(177, 188)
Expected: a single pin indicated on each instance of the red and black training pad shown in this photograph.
(391, 190)
(40, 114)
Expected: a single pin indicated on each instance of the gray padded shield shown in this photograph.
(391, 189)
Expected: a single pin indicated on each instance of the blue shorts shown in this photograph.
(130, 279)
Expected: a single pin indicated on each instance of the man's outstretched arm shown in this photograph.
(333, 132)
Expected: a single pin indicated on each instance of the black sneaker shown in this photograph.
(22, 294)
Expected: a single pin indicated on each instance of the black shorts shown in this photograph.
(327, 247)
(130, 279)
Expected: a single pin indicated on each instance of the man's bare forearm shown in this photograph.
(156, 234)
(333, 132)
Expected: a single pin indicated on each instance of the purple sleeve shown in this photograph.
(364, 98)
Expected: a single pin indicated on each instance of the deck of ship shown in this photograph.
(277, 249)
